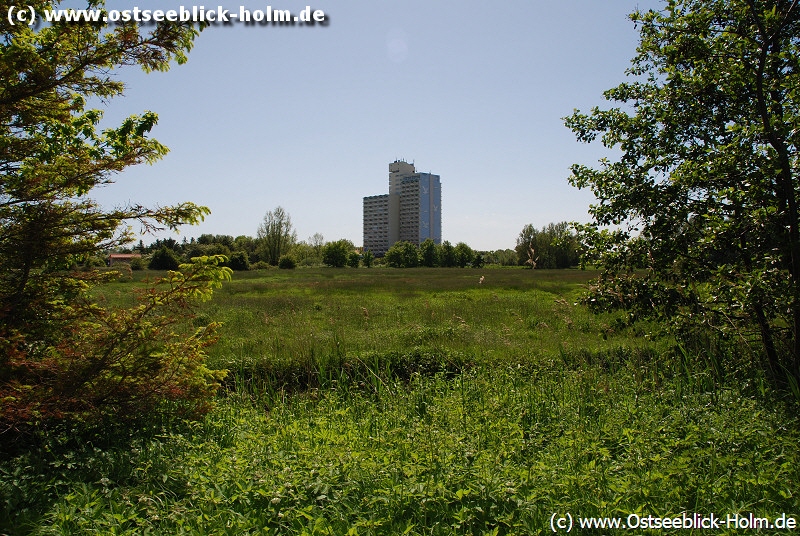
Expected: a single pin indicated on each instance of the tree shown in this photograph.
(239, 261)
(503, 257)
(427, 253)
(702, 203)
(447, 255)
(463, 255)
(62, 354)
(275, 235)
(336, 253)
(402, 255)
(287, 262)
(353, 260)
(554, 246)
(368, 259)
(164, 259)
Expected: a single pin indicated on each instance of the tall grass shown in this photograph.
(422, 402)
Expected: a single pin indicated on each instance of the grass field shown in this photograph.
(382, 401)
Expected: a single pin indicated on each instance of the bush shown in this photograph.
(164, 259)
(286, 262)
(353, 260)
(238, 261)
(403, 255)
(337, 253)
(114, 363)
(368, 259)
(260, 265)
(137, 263)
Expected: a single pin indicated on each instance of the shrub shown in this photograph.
(110, 362)
(260, 265)
(368, 259)
(286, 262)
(336, 253)
(353, 260)
(403, 255)
(164, 259)
(238, 261)
(137, 263)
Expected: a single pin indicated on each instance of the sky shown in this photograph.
(309, 117)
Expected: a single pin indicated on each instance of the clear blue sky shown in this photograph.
(310, 117)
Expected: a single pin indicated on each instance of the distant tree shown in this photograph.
(245, 243)
(239, 261)
(447, 255)
(287, 262)
(428, 254)
(275, 235)
(317, 241)
(503, 257)
(463, 255)
(164, 259)
(410, 253)
(159, 243)
(305, 254)
(478, 261)
(336, 253)
(368, 259)
(353, 260)
(402, 255)
(554, 246)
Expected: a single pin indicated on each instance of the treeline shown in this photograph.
(276, 244)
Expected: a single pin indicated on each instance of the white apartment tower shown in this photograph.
(412, 210)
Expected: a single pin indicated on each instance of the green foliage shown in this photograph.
(428, 254)
(164, 259)
(287, 262)
(306, 254)
(115, 362)
(63, 354)
(554, 246)
(447, 255)
(260, 265)
(502, 257)
(703, 200)
(419, 401)
(239, 261)
(137, 263)
(276, 236)
(367, 259)
(464, 255)
(336, 253)
(402, 255)
(354, 259)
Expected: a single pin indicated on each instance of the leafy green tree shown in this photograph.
(62, 354)
(287, 262)
(336, 253)
(697, 221)
(305, 254)
(164, 259)
(276, 235)
(503, 257)
(239, 261)
(353, 260)
(427, 254)
(554, 246)
(368, 259)
(464, 255)
(402, 255)
(447, 255)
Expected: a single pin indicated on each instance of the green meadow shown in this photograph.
(424, 402)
